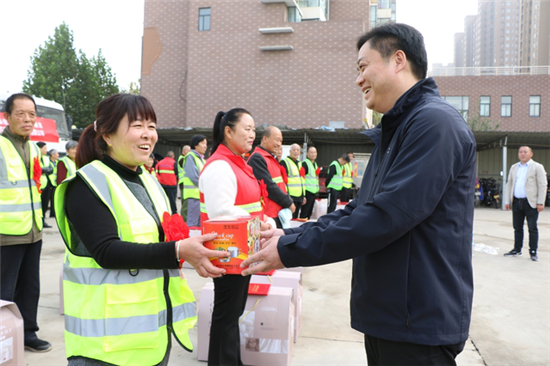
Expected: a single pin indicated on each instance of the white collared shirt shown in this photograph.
(521, 178)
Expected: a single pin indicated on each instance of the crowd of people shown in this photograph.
(124, 297)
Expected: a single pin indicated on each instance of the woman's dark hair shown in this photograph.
(195, 140)
(109, 112)
(223, 119)
(8, 105)
(389, 38)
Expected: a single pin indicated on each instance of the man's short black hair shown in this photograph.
(345, 157)
(8, 106)
(389, 38)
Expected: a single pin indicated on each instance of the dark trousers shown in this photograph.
(20, 281)
(46, 197)
(520, 211)
(333, 195)
(52, 206)
(381, 352)
(298, 205)
(172, 192)
(230, 294)
(307, 209)
(345, 194)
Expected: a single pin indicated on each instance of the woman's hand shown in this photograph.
(192, 250)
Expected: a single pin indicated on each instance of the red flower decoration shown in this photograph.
(264, 193)
(37, 173)
(302, 172)
(318, 171)
(174, 227)
(343, 172)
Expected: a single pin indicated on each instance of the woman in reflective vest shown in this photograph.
(66, 167)
(228, 188)
(123, 294)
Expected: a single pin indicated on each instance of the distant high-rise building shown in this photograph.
(505, 33)
(381, 11)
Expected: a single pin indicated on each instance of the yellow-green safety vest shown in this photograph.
(20, 201)
(45, 162)
(311, 180)
(348, 176)
(336, 180)
(53, 177)
(295, 183)
(190, 190)
(70, 165)
(123, 317)
(181, 173)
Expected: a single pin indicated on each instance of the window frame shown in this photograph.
(505, 107)
(202, 18)
(534, 107)
(484, 107)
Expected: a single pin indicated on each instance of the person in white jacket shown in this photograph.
(525, 194)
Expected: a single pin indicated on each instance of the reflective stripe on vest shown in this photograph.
(166, 173)
(311, 181)
(295, 182)
(190, 190)
(121, 316)
(20, 201)
(336, 180)
(347, 178)
(70, 166)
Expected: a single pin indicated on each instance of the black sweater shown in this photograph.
(96, 226)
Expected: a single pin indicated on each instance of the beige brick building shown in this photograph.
(307, 81)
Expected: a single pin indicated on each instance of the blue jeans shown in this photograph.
(20, 281)
(520, 211)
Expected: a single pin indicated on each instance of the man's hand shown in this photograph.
(540, 208)
(192, 250)
(304, 201)
(292, 208)
(268, 234)
(268, 257)
(507, 207)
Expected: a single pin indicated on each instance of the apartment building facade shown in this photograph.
(288, 62)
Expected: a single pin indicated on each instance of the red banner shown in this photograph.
(45, 129)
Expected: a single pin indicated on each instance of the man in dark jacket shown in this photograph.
(409, 231)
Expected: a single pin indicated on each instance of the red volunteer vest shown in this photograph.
(272, 208)
(248, 188)
(165, 172)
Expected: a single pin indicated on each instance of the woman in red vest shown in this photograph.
(226, 185)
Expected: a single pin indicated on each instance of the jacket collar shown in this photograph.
(393, 118)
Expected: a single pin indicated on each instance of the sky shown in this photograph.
(116, 27)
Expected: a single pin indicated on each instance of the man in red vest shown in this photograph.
(166, 174)
(266, 167)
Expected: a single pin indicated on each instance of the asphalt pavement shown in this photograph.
(510, 321)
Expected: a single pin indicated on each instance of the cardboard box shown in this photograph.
(287, 279)
(238, 236)
(319, 208)
(266, 326)
(12, 340)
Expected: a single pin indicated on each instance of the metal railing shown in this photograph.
(490, 71)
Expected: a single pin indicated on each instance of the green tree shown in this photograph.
(61, 74)
(133, 88)
(478, 123)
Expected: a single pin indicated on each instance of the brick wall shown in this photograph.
(199, 73)
(519, 87)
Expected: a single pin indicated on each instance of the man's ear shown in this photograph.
(400, 60)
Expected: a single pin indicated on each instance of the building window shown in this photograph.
(484, 106)
(534, 106)
(461, 103)
(204, 19)
(293, 15)
(506, 106)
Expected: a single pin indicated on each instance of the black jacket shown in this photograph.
(409, 230)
